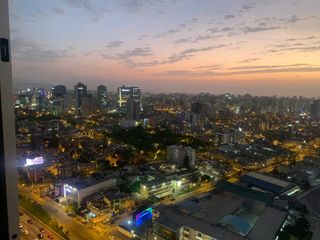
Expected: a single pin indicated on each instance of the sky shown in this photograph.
(261, 47)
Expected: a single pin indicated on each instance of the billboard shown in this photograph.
(34, 161)
(142, 216)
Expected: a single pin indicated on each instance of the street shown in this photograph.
(76, 229)
(30, 230)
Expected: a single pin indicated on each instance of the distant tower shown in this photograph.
(59, 91)
(133, 109)
(315, 110)
(80, 91)
(126, 93)
(102, 97)
(87, 107)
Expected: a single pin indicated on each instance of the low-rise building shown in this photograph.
(77, 189)
(169, 185)
(270, 184)
(118, 202)
(242, 214)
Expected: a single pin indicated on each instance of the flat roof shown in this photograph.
(219, 217)
(270, 179)
(244, 191)
(268, 183)
(268, 224)
(81, 183)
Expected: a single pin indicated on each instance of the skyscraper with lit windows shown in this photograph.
(80, 91)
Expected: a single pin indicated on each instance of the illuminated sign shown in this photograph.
(143, 216)
(34, 161)
(68, 189)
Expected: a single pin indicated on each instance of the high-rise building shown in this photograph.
(38, 100)
(87, 107)
(125, 93)
(102, 96)
(181, 156)
(133, 109)
(59, 91)
(80, 91)
(315, 110)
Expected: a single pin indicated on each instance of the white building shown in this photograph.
(77, 189)
(177, 155)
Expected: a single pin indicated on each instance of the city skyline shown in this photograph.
(257, 47)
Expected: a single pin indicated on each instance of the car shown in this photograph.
(20, 226)
(20, 213)
(26, 232)
(42, 230)
(30, 221)
(50, 236)
(40, 235)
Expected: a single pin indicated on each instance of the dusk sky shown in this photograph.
(262, 47)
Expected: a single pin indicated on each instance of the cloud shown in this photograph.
(188, 73)
(136, 6)
(294, 46)
(246, 7)
(136, 52)
(115, 44)
(191, 51)
(249, 60)
(184, 40)
(198, 38)
(177, 57)
(97, 12)
(59, 11)
(168, 32)
(268, 66)
(293, 19)
(181, 27)
(210, 67)
(29, 50)
(228, 16)
(258, 29)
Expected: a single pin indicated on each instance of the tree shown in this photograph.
(298, 231)
(103, 165)
(205, 178)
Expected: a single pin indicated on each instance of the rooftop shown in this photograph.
(224, 216)
(268, 183)
(270, 179)
(81, 183)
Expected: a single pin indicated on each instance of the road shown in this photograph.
(30, 230)
(77, 230)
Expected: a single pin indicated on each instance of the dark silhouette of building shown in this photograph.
(59, 91)
(80, 91)
(102, 97)
(315, 110)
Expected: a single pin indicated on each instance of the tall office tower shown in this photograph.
(87, 107)
(59, 91)
(315, 110)
(80, 91)
(133, 109)
(102, 97)
(39, 100)
(125, 93)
